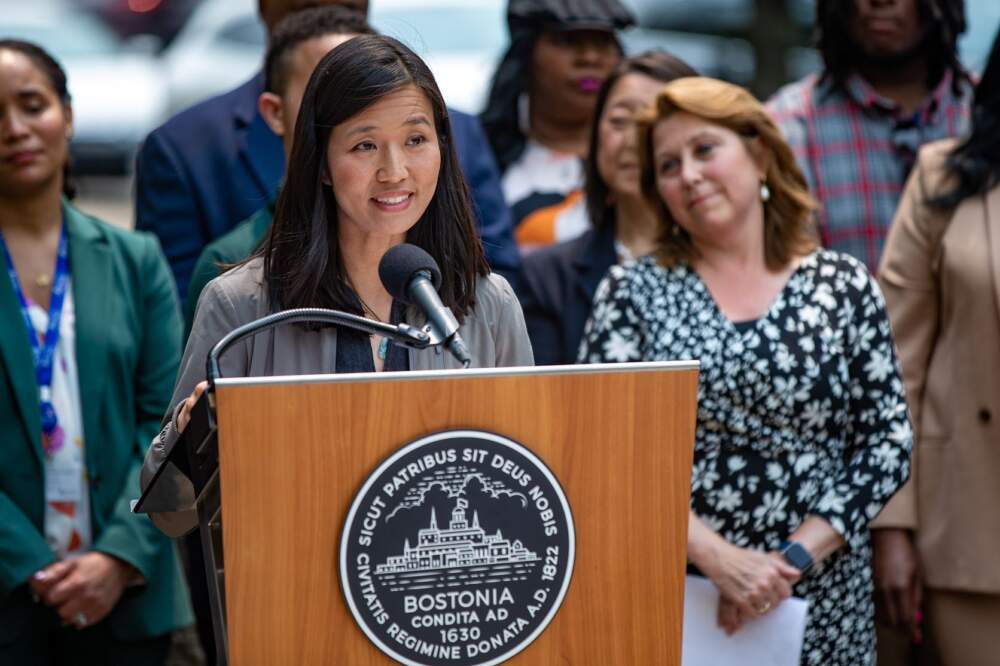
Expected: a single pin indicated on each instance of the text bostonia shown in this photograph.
(485, 598)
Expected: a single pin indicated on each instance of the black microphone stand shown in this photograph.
(199, 439)
(402, 334)
(196, 452)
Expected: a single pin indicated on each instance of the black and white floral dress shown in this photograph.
(801, 412)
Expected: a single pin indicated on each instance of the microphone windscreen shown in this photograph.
(398, 265)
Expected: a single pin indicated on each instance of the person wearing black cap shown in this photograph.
(542, 99)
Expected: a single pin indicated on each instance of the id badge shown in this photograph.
(64, 485)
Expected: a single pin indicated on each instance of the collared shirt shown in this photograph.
(856, 149)
(68, 528)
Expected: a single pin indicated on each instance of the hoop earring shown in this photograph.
(765, 192)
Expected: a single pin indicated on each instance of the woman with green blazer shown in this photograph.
(88, 355)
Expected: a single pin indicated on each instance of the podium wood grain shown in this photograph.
(293, 456)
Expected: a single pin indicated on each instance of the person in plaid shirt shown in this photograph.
(891, 82)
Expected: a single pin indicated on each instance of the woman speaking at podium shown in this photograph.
(372, 166)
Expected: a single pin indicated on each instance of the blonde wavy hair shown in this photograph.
(789, 224)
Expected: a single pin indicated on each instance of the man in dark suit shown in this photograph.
(217, 163)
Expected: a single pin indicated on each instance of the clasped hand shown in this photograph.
(83, 589)
(750, 584)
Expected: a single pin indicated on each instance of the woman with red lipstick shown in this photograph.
(89, 344)
(802, 432)
(372, 166)
(544, 91)
(609, 223)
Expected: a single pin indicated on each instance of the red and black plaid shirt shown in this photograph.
(856, 149)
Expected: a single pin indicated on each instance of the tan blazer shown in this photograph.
(941, 277)
(494, 333)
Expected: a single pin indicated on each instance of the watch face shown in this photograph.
(797, 556)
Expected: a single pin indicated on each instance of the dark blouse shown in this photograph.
(354, 353)
(800, 412)
(744, 326)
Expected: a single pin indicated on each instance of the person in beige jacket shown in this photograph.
(936, 542)
(372, 166)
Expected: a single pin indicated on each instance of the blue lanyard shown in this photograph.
(43, 355)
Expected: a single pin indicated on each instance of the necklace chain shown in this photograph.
(383, 345)
(367, 308)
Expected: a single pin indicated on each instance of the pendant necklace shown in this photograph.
(383, 345)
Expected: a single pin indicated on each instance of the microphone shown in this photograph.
(412, 276)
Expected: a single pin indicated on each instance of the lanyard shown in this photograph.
(43, 352)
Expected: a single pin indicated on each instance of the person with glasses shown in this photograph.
(610, 224)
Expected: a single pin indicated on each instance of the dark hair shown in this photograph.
(975, 162)
(944, 21)
(526, 21)
(657, 65)
(303, 266)
(53, 71)
(500, 117)
(300, 27)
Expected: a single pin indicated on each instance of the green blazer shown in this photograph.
(230, 248)
(128, 343)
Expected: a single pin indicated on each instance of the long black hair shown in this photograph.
(975, 162)
(657, 65)
(500, 117)
(303, 266)
(56, 77)
(944, 21)
(526, 21)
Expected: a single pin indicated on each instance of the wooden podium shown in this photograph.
(294, 452)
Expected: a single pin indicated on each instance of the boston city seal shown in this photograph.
(458, 549)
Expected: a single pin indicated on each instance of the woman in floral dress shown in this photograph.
(802, 432)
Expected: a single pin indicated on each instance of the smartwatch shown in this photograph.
(796, 555)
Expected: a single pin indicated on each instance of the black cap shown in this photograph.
(609, 15)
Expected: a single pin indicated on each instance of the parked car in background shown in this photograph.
(710, 34)
(221, 46)
(461, 41)
(160, 19)
(223, 42)
(118, 92)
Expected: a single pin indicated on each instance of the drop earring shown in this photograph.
(765, 192)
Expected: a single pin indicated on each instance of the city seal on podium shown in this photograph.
(458, 549)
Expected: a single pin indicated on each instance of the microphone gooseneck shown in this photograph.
(412, 276)
(402, 334)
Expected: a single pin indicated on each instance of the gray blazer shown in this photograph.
(494, 333)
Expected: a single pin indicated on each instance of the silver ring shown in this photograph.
(80, 619)
(764, 608)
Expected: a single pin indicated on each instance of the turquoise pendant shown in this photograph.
(383, 348)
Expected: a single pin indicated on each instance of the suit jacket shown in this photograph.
(494, 333)
(231, 248)
(217, 163)
(128, 331)
(941, 277)
(556, 289)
